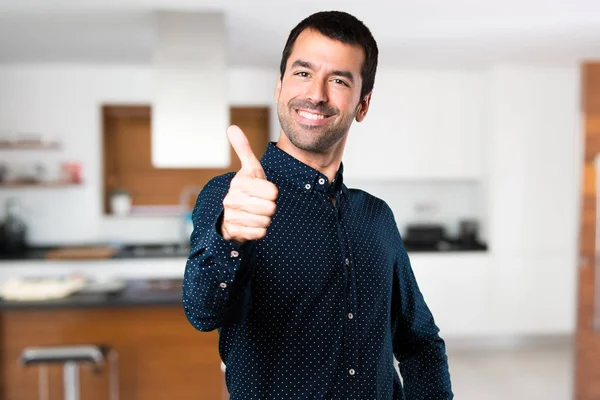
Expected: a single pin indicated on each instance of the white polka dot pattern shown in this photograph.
(319, 308)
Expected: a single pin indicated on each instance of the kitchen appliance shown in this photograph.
(468, 232)
(425, 236)
(13, 232)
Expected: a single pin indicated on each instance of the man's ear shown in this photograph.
(363, 107)
(277, 89)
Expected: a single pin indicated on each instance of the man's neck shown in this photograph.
(326, 163)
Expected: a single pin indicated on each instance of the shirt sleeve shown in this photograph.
(216, 283)
(420, 351)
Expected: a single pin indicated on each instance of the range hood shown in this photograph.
(190, 111)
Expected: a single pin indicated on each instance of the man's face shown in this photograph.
(319, 94)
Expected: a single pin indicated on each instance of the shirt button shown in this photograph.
(234, 253)
(307, 186)
(350, 316)
(223, 285)
(352, 372)
(347, 261)
(321, 181)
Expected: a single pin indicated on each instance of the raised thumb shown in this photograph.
(250, 164)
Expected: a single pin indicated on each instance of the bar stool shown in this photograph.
(71, 357)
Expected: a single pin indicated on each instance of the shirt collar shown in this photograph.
(300, 174)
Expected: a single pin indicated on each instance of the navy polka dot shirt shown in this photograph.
(318, 308)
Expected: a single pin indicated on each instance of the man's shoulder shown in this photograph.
(374, 209)
(361, 195)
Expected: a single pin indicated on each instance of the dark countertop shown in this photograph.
(36, 253)
(171, 250)
(444, 246)
(137, 293)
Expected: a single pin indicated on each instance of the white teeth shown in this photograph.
(312, 116)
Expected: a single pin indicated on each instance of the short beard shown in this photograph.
(322, 143)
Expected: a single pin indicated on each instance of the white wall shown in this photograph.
(65, 102)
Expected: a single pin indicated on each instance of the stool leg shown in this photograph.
(71, 381)
(43, 386)
(114, 375)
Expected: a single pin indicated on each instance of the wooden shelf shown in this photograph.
(29, 146)
(56, 184)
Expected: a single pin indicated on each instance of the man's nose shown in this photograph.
(317, 91)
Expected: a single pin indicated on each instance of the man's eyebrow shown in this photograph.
(302, 64)
(305, 64)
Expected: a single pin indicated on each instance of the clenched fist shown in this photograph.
(250, 202)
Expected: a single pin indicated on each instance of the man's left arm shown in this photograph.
(420, 351)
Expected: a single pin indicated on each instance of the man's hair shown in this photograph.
(345, 28)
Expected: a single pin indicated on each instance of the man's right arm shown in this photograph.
(216, 282)
(231, 213)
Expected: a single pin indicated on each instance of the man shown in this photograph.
(306, 280)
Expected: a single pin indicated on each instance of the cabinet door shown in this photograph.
(532, 295)
(533, 160)
(393, 140)
(421, 125)
(457, 143)
(456, 288)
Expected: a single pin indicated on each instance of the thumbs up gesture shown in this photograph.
(250, 202)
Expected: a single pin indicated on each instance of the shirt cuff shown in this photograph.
(233, 260)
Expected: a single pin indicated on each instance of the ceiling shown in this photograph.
(420, 33)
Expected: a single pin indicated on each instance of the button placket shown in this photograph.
(350, 328)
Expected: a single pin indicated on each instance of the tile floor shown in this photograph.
(525, 372)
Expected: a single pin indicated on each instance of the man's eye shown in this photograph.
(340, 82)
(302, 74)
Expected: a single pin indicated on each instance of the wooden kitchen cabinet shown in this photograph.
(421, 125)
(127, 143)
(161, 356)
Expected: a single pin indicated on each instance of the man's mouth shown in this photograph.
(312, 118)
(311, 115)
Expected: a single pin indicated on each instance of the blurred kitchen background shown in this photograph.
(108, 130)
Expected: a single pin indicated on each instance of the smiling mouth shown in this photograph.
(312, 116)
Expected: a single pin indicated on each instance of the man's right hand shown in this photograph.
(250, 202)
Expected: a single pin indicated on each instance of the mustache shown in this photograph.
(321, 108)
